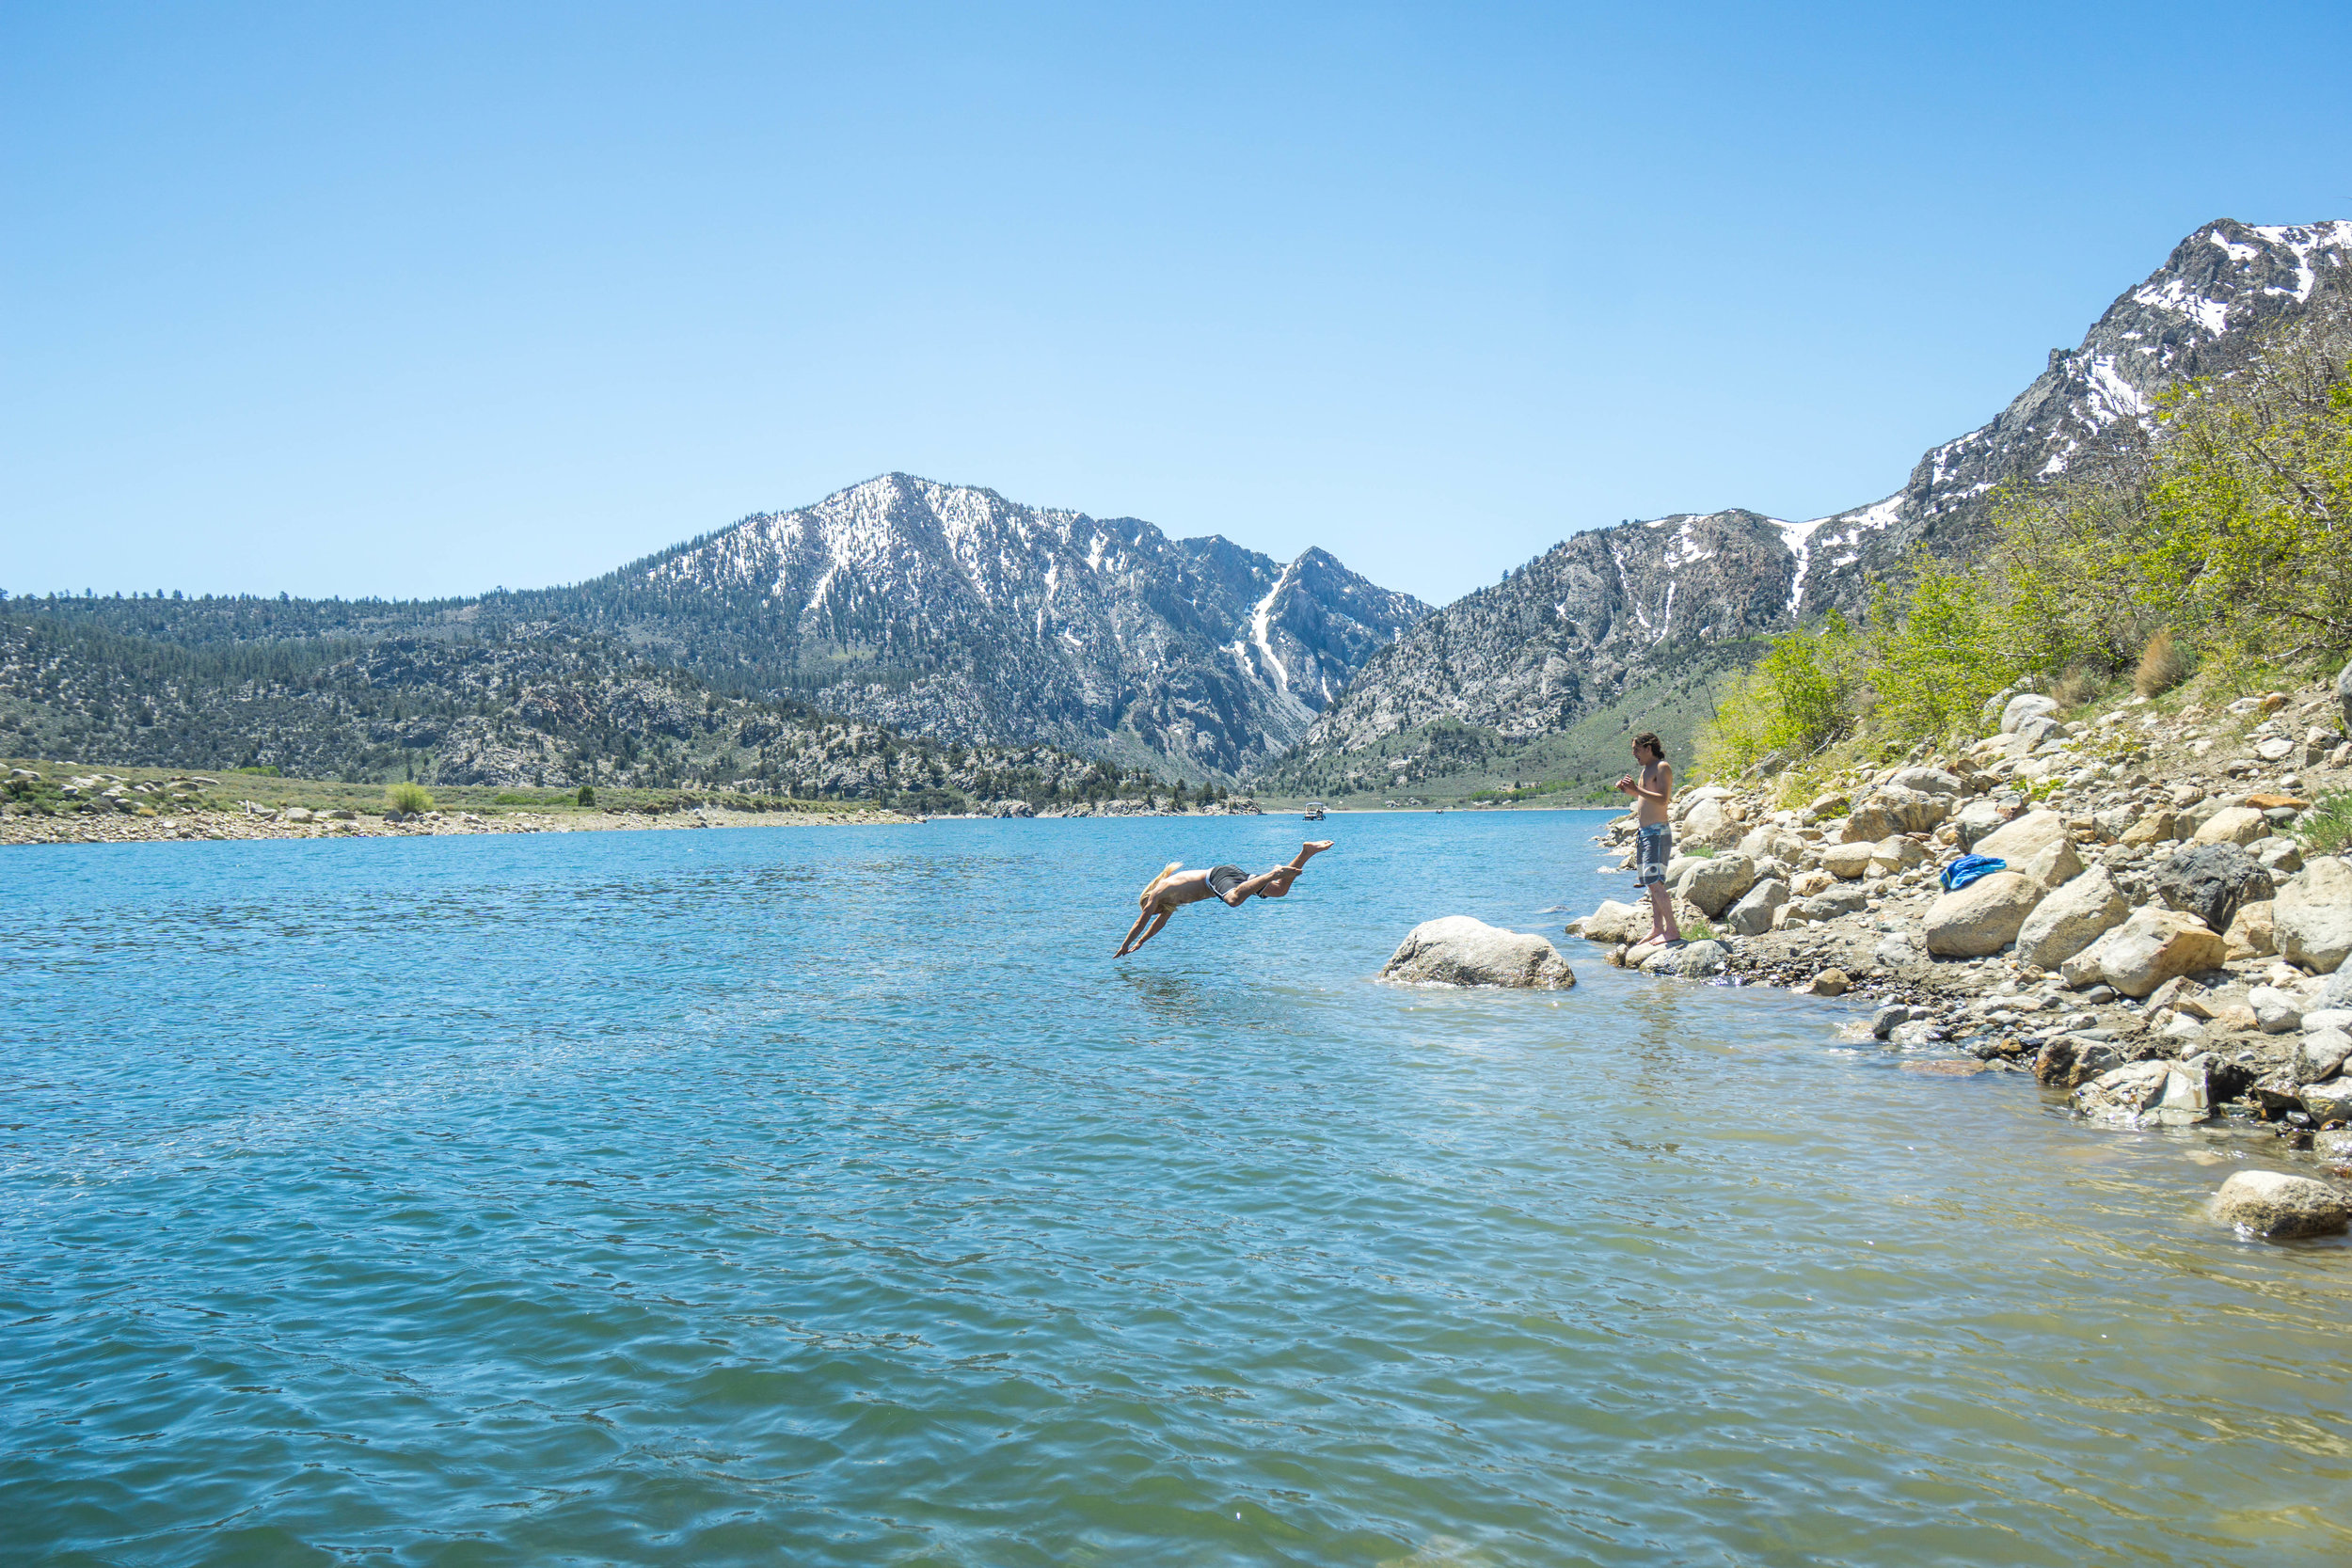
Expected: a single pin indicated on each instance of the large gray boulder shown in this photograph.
(1982, 918)
(1891, 809)
(2071, 919)
(1714, 885)
(2211, 882)
(2320, 1055)
(1459, 950)
(1708, 822)
(2023, 707)
(2272, 1203)
(2148, 949)
(1614, 922)
(1977, 819)
(1752, 916)
(1930, 781)
(2344, 696)
(1771, 843)
(2312, 921)
(2028, 835)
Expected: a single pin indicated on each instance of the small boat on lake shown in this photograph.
(1313, 811)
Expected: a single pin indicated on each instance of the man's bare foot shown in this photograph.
(1315, 846)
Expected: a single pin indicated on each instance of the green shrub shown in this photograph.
(407, 798)
(587, 795)
(1798, 700)
(2326, 828)
(259, 773)
(1937, 653)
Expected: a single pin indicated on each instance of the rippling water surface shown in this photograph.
(831, 1196)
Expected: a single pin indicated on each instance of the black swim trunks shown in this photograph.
(1225, 879)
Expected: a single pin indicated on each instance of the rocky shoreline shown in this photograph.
(2159, 946)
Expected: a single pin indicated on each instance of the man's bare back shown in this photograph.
(1172, 889)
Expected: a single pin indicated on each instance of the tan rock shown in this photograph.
(2152, 946)
(2312, 916)
(1846, 862)
(1897, 854)
(2074, 916)
(2233, 825)
(1982, 918)
(2027, 835)
(2272, 1203)
(2053, 865)
(1771, 843)
(1891, 809)
(2251, 934)
(1710, 824)
(2158, 827)
(1614, 922)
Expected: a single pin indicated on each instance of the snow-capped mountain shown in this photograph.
(1599, 614)
(951, 612)
(2197, 315)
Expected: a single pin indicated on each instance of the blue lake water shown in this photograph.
(831, 1196)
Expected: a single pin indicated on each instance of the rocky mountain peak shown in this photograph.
(1599, 615)
(948, 611)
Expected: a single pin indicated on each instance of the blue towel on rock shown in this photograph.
(1968, 868)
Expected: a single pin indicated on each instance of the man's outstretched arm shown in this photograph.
(1156, 926)
(1130, 944)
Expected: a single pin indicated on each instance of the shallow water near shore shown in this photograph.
(830, 1196)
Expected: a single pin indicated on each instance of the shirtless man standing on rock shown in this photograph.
(1172, 889)
(1653, 840)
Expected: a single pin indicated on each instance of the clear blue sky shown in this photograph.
(421, 299)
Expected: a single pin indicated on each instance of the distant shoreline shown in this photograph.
(226, 826)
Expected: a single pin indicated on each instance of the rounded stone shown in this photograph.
(2272, 1203)
(1982, 918)
(1459, 950)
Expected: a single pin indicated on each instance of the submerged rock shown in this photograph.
(2140, 1093)
(1690, 960)
(2272, 1203)
(1459, 950)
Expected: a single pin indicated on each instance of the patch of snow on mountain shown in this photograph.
(1844, 528)
(2113, 398)
(1258, 622)
(2175, 297)
(2235, 251)
(1682, 550)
